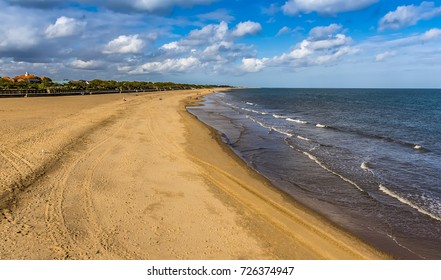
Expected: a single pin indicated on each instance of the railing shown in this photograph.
(59, 92)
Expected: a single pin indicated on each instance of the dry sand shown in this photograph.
(137, 177)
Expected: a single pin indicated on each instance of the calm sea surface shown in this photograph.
(367, 159)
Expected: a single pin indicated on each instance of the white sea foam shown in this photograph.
(294, 120)
(333, 172)
(407, 202)
(278, 116)
(231, 105)
(404, 247)
(417, 147)
(282, 132)
(364, 166)
(320, 125)
(288, 119)
(303, 138)
(258, 122)
(249, 103)
(254, 111)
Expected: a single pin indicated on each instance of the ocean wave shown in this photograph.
(365, 166)
(279, 116)
(271, 128)
(296, 121)
(333, 172)
(252, 104)
(418, 147)
(404, 247)
(289, 119)
(254, 111)
(322, 165)
(282, 132)
(258, 122)
(230, 105)
(303, 138)
(414, 146)
(408, 202)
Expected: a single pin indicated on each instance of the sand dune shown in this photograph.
(137, 177)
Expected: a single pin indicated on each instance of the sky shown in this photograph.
(285, 43)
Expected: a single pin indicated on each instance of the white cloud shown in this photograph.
(211, 37)
(431, 34)
(382, 56)
(21, 37)
(214, 50)
(284, 30)
(330, 43)
(419, 49)
(209, 42)
(64, 27)
(252, 65)
(323, 46)
(160, 5)
(174, 47)
(218, 15)
(125, 44)
(409, 15)
(152, 6)
(86, 64)
(294, 7)
(302, 50)
(418, 39)
(18, 32)
(186, 64)
(324, 32)
(209, 48)
(209, 33)
(246, 28)
(328, 58)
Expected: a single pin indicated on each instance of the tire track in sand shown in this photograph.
(70, 217)
(18, 163)
(20, 160)
(14, 180)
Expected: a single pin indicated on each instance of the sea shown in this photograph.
(369, 160)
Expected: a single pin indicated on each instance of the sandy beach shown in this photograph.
(124, 176)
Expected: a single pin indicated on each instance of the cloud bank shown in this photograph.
(330, 7)
(409, 15)
(324, 45)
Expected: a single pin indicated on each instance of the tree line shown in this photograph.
(48, 85)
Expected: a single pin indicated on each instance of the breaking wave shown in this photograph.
(408, 202)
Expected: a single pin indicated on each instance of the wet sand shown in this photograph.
(121, 176)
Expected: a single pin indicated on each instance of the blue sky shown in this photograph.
(286, 43)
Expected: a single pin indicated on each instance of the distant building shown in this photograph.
(7, 79)
(30, 78)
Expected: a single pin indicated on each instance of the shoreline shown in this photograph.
(310, 172)
(277, 194)
(280, 200)
(139, 177)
